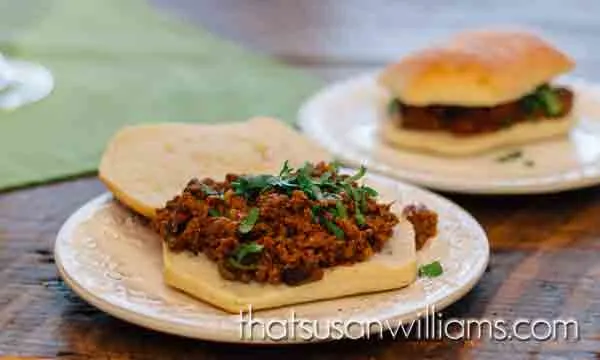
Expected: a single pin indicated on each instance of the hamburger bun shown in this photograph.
(475, 69)
(392, 268)
(146, 165)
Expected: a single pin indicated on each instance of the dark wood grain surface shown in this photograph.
(545, 249)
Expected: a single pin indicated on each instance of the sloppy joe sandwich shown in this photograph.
(479, 90)
(241, 227)
(271, 240)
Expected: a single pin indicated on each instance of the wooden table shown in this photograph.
(545, 249)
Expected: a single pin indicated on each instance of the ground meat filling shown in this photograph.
(278, 229)
(424, 222)
(544, 103)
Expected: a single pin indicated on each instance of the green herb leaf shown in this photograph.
(544, 99)
(361, 172)
(286, 170)
(316, 192)
(431, 270)
(247, 224)
(209, 191)
(242, 257)
(531, 104)
(245, 249)
(510, 156)
(331, 196)
(370, 191)
(360, 218)
(336, 165)
(307, 169)
(363, 201)
(355, 194)
(251, 185)
(550, 99)
(316, 211)
(348, 190)
(328, 186)
(325, 177)
(213, 212)
(394, 107)
(234, 263)
(340, 210)
(333, 228)
(305, 182)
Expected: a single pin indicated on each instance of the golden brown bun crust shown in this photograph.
(477, 68)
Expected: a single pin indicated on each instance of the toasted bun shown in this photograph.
(478, 69)
(394, 267)
(144, 166)
(444, 143)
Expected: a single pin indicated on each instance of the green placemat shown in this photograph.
(119, 62)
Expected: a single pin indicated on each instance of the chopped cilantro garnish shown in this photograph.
(361, 172)
(316, 192)
(363, 201)
(286, 170)
(316, 211)
(551, 101)
(393, 107)
(370, 191)
(329, 185)
(514, 155)
(331, 196)
(324, 221)
(531, 104)
(249, 186)
(209, 191)
(544, 99)
(333, 228)
(360, 218)
(244, 256)
(326, 186)
(347, 188)
(213, 212)
(340, 210)
(433, 269)
(247, 224)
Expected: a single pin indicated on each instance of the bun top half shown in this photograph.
(476, 69)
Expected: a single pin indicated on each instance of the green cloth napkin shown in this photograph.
(119, 62)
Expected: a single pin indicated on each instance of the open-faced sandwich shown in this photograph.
(249, 218)
(478, 91)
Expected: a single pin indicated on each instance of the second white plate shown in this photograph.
(344, 118)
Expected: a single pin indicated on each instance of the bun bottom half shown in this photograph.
(447, 144)
(392, 268)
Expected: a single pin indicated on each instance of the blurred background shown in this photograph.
(107, 64)
(339, 38)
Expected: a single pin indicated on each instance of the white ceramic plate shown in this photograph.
(344, 118)
(111, 259)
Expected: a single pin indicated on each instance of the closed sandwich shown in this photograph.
(478, 91)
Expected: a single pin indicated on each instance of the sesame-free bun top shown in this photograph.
(144, 166)
(476, 69)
